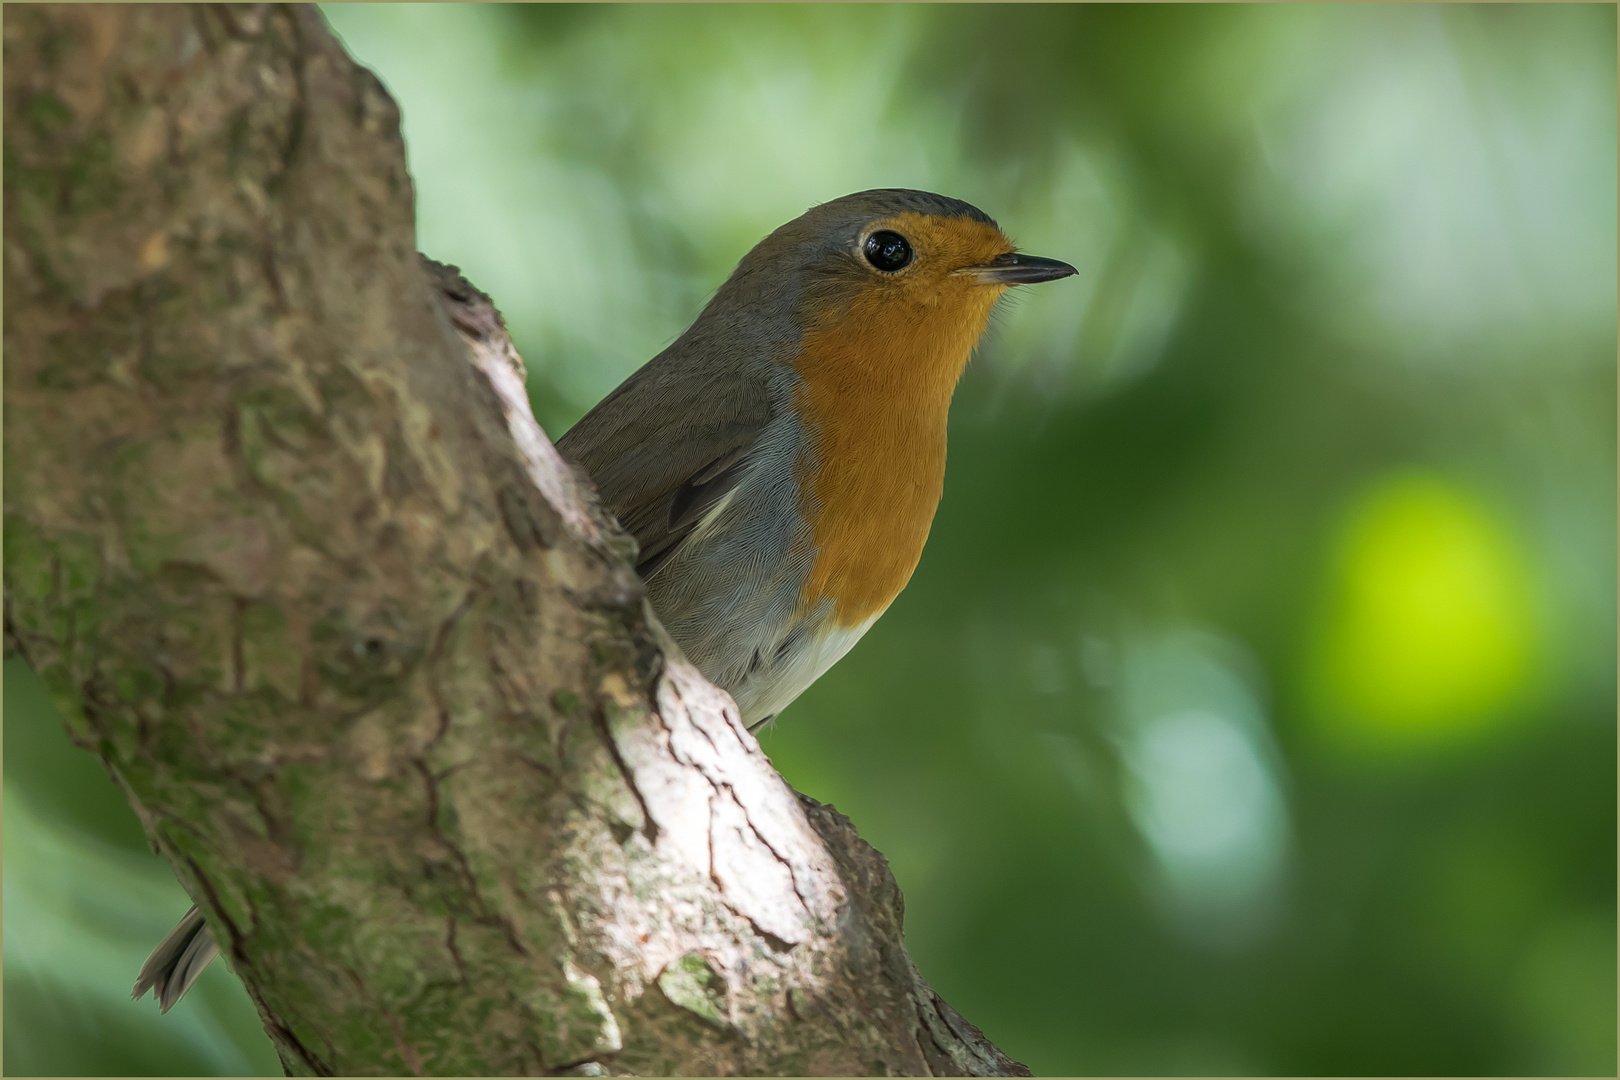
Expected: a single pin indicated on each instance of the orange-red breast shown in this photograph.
(780, 463)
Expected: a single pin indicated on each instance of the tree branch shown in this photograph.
(374, 673)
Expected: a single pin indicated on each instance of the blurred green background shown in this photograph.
(1253, 707)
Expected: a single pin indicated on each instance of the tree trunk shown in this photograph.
(371, 668)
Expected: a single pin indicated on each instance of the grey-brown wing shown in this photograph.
(664, 449)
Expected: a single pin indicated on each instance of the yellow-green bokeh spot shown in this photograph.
(1430, 636)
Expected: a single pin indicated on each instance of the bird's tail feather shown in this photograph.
(177, 961)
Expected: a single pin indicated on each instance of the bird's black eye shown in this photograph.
(888, 251)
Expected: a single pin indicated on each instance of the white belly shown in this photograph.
(763, 693)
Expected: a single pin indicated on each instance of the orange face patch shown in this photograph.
(875, 390)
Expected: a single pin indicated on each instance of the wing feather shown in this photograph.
(666, 447)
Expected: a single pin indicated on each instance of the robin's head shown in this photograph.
(893, 248)
(894, 283)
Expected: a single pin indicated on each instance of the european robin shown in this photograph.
(781, 462)
(779, 465)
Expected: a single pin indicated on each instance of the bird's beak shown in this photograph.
(1015, 269)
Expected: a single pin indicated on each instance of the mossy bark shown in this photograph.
(285, 544)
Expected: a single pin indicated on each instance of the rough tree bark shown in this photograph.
(375, 675)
